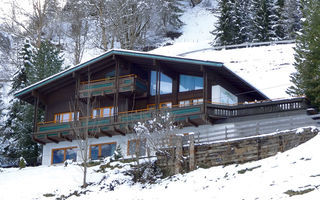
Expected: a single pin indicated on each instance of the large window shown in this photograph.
(189, 83)
(165, 83)
(64, 117)
(136, 145)
(60, 155)
(102, 112)
(102, 150)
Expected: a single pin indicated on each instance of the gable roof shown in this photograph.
(136, 54)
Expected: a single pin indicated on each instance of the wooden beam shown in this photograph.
(52, 139)
(119, 131)
(105, 133)
(65, 137)
(93, 134)
(37, 140)
(35, 114)
(188, 120)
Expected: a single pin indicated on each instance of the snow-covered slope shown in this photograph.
(292, 172)
(267, 67)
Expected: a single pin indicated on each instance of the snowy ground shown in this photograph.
(268, 69)
(294, 171)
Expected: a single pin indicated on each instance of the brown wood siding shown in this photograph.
(58, 101)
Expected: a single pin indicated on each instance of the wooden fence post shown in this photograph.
(192, 156)
(178, 155)
(258, 128)
(226, 132)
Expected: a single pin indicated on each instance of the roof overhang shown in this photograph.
(26, 93)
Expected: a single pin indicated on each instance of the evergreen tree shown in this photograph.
(35, 65)
(226, 28)
(292, 18)
(170, 15)
(242, 21)
(307, 57)
(278, 25)
(261, 20)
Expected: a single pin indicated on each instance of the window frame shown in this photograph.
(179, 85)
(71, 117)
(182, 103)
(64, 154)
(99, 147)
(111, 112)
(150, 84)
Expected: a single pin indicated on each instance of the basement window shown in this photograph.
(102, 150)
(63, 154)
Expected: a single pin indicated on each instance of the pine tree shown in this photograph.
(47, 60)
(307, 57)
(261, 12)
(242, 21)
(35, 64)
(278, 24)
(292, 18)
(225, 30)
(170, 15)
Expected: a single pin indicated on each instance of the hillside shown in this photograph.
(295, 172)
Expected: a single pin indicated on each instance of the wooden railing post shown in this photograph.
(178, 155)
(191, 151)
(226, 132)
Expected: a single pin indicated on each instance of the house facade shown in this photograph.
(108, 95)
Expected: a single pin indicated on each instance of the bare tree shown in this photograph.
(25, 23)
(80, 127)
(77, 16)
(158, 133)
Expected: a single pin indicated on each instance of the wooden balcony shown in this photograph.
(193, 115)
(108, 126)
(128, 83)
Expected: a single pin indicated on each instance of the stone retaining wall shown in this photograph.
(233, 151)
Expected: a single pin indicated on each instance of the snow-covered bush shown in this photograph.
(147, 172)
(22, 163)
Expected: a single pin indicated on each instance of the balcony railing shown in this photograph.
(191, 115)
(127, 83)
(108, 126)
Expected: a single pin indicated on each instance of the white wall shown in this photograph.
(120, 140)
(47, 148)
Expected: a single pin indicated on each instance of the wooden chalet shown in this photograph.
(130, 86)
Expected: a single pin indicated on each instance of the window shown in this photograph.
(190, 102)
(102, 150)
(221, 95)
(136, 145)
(189, 83)
(64, 117)
(102, 112)
(162, 105)
(165, 84)
(60, 155)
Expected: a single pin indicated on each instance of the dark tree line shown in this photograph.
(241, 21)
